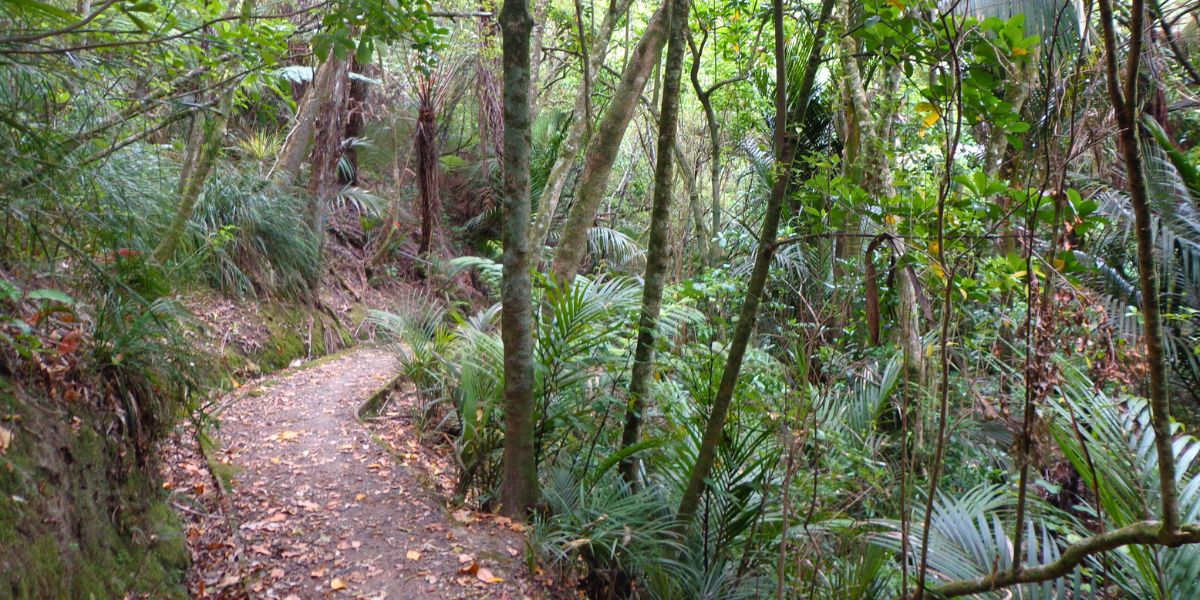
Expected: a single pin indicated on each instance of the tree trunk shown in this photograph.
(535, 59)
(295, 147)
(327, 140)
(208, 131)
(659, 245)
(714, 139)
(356, 120)
(1124, 103)
(692, 187)
(428, 174)
(569, 149)
(603, 148)
(211, 133)
(874, 174)
(519, 490)
(785, 151)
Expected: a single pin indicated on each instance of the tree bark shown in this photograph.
(603, 148)
(209, 132)
(286, 170)
(692, 188)
(519, 489)
(658, 250)
(569, 149)
(428, 171)
(874, 174)
(785, 152)
(356, 119)
(327, 141)
(713, 125)
(1124, 103)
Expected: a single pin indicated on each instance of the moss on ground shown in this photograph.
(78, 519)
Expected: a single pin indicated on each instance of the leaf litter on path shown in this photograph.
(326, 506)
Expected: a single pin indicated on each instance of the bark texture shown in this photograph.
(428, 170)
(658, 252)
(327, 141)
(286, 170)
(1124, 102)
(205, 139)
(603, 147)
(569, 149)
(870, 167)
(519, 490)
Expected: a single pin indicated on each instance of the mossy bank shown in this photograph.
(78, 517)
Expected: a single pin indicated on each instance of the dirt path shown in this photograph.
(323, 505)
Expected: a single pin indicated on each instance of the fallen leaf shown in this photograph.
(511, 551)
(486, 576)
(336, 584)
(6, 437)
(318, 573)
(288, 435)
(360, 497)
(413, 555)
(462, 558)
(276, 573)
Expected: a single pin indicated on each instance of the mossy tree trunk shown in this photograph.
(207, 136)
(870, 168)
(569, 149)
(296, 146)
(785, 151)
(603, 148)
(658, 251)
(519, 489)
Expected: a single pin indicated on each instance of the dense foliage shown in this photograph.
(880, 317)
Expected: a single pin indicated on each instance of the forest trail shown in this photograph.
(325, 505)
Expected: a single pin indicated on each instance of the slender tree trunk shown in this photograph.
(874, 173)
(785, 151)
(286, 170)
(535, 58)
(212, 133)
(569, 149)
(657, 253)
(356, 119)
(714, 175)
(603, 148)
(519, 489)
(1124, 102)
(692, 187)
(209, 132)
(713, 125)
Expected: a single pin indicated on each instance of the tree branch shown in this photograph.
(1142, 532)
